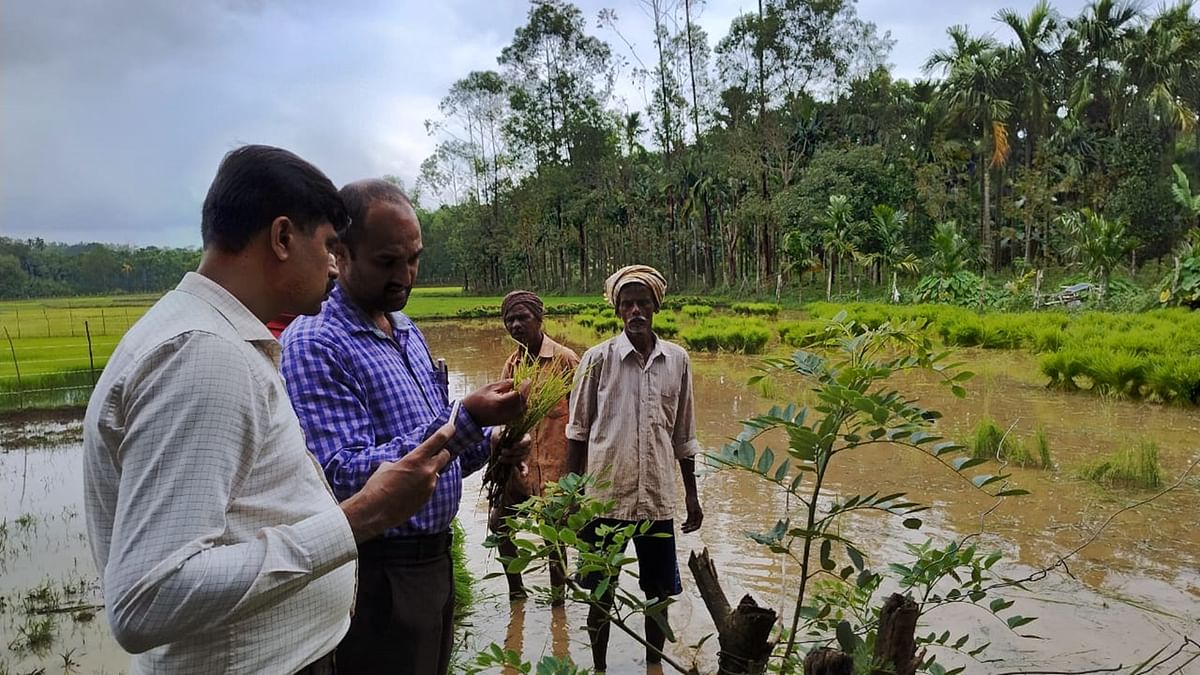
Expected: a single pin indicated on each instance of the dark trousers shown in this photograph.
(403, 622)
(322, 666)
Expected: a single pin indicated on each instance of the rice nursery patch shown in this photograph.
(1153, 355)
(725, 334)
(767, 309)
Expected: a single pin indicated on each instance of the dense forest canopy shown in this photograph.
(727, 177)
(781, 148)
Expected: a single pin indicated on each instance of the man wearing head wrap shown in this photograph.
(522, 313)
(631, 421)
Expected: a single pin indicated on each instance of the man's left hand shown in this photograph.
(512, 454)
(695, 515)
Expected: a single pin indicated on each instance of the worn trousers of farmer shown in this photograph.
(403, 622)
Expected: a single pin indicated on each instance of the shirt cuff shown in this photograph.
(467, 433)
(327, 539)
(689, 449)
(577, 433)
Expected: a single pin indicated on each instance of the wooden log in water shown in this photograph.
(896, 646)
(743, 632)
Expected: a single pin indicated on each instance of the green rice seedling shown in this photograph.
(718, 334)
(1048, 339)
(795, 333)
(464, 581)
(607, 325)
(666, 326)
(1134, 466)
(548, 385)
(1015, 451)
(36, 635)
(1042, 444)
(987, 439)
(696, 311)
(757, 308)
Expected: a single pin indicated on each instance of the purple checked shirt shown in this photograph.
(364, 398)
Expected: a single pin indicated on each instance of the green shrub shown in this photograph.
(696, 311)
(1132, 466)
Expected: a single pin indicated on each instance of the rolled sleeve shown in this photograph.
(582, 408)
(683, 436)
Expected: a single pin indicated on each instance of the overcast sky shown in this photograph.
(115, 113)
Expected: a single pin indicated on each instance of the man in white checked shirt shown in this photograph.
(220, 546)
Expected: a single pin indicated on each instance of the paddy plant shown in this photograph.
(767, 309)
(723, 334)
(1135, 466)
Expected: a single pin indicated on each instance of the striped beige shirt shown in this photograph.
(219, 544)
(637, 419)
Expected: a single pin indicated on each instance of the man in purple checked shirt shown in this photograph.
(366, 389)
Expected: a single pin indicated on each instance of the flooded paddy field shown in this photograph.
(1134, 590)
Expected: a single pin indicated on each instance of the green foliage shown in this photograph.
(849, 365)
(723, 334)
(1134, 466)
(696, 311)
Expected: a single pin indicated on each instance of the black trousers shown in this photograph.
(403, 622)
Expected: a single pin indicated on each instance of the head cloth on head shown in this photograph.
(635, 274)
(526, 298)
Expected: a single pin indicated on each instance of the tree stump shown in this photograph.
(743, 633)
(896, 645)
(826, 661)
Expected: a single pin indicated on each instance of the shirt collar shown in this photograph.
(249, 327)
(356, 320)
(625, 347)
(549, 349)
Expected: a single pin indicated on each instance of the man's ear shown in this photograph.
(282, 234)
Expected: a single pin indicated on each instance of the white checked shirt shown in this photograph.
(220, 546)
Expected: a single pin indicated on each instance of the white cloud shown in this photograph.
(114, 114)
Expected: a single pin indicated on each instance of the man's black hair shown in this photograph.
(256, 184)
(358, 198)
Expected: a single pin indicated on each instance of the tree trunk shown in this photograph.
(744, 632)
(985, 227)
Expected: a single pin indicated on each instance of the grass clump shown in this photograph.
(696, 311)
(1135, 466)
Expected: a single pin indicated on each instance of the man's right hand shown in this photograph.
(397, 490)
(496, 403)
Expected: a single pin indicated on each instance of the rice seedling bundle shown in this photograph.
(548, 385)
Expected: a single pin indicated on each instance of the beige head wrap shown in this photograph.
(635, 274)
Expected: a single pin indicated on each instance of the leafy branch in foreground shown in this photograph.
(547, 528)
(850, 365)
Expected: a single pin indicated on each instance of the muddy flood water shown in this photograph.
(1131, 593)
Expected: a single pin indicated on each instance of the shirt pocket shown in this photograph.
(667, 394)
